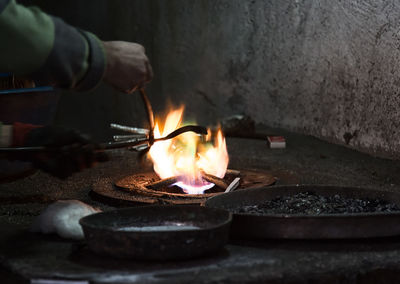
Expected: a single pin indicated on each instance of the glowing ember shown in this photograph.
(187, 155)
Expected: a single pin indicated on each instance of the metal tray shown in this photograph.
(324, 226)
(157, 232)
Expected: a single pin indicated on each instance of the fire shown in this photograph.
(188, 154)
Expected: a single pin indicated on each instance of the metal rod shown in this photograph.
(16, 150)
(128, 137)
(188, 128)
(139, 148)
(133, 130)
(150, 114)
(234, 184)
(164, 182)
(213, 179)
(124, 144)
(232, 172)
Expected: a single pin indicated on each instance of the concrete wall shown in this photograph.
(325, 68)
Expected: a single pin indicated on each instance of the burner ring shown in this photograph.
(132, 190)
(139, 183)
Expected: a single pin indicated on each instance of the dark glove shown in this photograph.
(69, 151)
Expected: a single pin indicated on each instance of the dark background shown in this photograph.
(325, 68)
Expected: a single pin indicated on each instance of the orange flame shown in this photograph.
(187, 155)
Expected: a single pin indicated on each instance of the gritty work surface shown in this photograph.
(272, 262)
(310, 203)
(305, 160)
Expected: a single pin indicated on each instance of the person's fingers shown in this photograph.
(128, 66)
(147, 77)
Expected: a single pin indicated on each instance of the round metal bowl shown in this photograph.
(157, 232)
(323, 226)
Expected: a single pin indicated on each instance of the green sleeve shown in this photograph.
(47, 50)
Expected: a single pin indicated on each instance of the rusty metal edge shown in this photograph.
(324, 226)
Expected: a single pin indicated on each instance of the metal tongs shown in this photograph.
(137, 143)
(140, 140)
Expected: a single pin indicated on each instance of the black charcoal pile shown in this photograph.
(309, 203)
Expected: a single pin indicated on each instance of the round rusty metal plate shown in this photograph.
(132, 190)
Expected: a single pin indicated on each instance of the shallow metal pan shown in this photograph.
(152, 233)
(327, 226)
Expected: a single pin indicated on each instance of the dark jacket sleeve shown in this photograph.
(47, 50)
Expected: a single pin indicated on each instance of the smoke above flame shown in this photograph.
(188, 154)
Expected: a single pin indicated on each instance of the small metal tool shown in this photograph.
(143, 148)
(140, 141)
(150, 114)
(134, 130)
(127, 137)
(139, 148)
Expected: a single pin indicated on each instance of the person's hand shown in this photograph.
(128, 67)
(69, 151)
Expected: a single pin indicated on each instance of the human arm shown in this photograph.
(46, 49)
